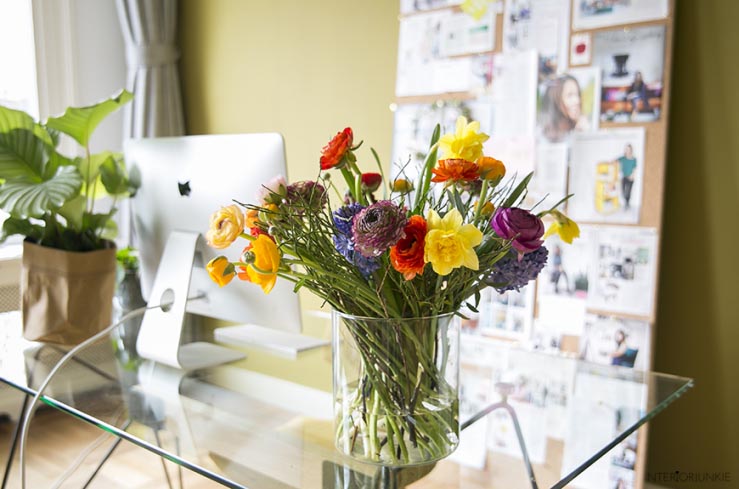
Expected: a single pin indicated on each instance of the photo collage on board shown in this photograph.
(570, 90)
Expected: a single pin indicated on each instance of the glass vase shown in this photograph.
(396, 388)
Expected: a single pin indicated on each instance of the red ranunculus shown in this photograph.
(407, 255)
(371, 181)
(333, 153)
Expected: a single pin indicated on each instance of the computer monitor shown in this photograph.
(183, 181)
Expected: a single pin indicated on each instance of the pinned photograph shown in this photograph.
(568, 104)
(623, 279)
(591, 14)
(606, 176)
(632, 60)
(609, 340)
(542, 25)
(580, 49)
(507, 315)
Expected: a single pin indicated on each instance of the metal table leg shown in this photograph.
(504, 389)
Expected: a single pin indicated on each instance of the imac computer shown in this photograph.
(183, 181)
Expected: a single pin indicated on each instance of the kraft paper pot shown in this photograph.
(67, 296)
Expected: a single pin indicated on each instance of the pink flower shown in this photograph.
(278, 185)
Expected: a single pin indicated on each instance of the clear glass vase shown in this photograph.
(396, 388)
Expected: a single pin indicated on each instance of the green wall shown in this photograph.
(698, 329)
(308, 68)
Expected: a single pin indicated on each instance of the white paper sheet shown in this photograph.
(623, 279)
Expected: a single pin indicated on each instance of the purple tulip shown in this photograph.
(522, 227)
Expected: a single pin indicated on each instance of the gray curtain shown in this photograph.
(149, 29)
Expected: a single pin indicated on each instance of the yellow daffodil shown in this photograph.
(490, 168)
(221, 271)
(449, 243)
(226, 225)
(264, 263)
(567, 229)
(465, 143)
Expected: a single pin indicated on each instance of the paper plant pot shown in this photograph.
(67, 296)
(396, 388)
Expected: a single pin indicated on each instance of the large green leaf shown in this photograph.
(14, 225)
(22, 155)
(72, 211)
(11, 119)
(114, 178)
(22, 198)
(80, 122)
(90, 171)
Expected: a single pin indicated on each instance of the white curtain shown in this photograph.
(149, 29)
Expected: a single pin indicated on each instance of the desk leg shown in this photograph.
(106, 456)
(164, 463)
(17, 431)
(504, 405)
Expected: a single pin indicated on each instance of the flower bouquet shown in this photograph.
(397, 271)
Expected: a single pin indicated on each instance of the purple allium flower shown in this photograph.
(344, 216)
(521, 226)
(345, 246)
(306, 195)
(510, 273)
(378, 227)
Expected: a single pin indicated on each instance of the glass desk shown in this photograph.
(266, 422)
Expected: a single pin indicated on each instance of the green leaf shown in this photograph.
(80, 122)
(511, 200)
(14, 119)
(24, 227)
(90, 172)
(113, 176)
(425, 177)
(22, 155)
(11, 119)
(23, 198)
(72, 211)
(109, 230)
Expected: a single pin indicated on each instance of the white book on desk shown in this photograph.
(279, 342)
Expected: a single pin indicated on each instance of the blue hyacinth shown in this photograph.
(512, 274)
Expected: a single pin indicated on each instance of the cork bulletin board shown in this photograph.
(578, 92)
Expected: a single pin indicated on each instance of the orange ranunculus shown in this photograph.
(220, 270)
(263, 263)
(252, 218)
(226, 225)
(490, 168)
(333, 153)
(407, 255)
(455, 170)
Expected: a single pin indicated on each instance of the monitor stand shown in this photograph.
(161, 328)
(275, 341)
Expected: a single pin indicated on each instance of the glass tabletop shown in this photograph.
(529, 419)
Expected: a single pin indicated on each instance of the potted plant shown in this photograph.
(64, 207)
